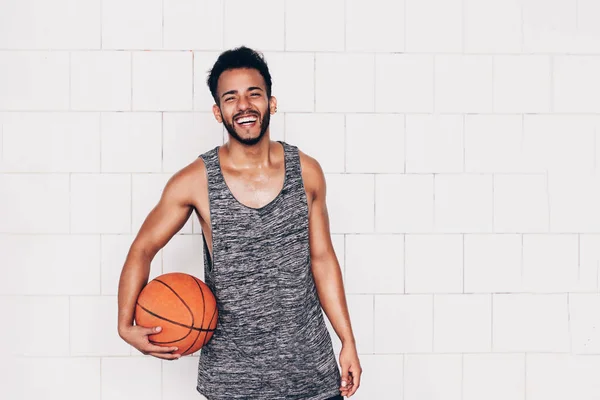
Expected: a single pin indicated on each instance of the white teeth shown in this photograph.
(245, 119)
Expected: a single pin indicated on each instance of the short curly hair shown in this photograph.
(240, 57)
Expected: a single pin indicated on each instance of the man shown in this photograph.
(268, 256)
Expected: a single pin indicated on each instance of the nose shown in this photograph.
(243, 103)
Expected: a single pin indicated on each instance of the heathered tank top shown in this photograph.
(271, 341)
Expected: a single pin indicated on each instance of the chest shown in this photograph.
(257, 189)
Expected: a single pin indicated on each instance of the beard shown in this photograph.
(264, 125)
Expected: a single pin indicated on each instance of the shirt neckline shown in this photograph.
(285, 177)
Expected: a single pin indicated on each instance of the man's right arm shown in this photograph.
(161, 224)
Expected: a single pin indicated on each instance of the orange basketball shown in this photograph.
(183, 306)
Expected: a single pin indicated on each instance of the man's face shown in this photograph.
(244, 107)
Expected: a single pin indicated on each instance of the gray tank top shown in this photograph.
(271, 341)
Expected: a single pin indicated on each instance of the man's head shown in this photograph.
(240, 84)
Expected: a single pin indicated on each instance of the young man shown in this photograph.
(268, 256)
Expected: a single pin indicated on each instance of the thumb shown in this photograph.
(153, 330)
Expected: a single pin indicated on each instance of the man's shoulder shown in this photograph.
(190, 181)
(309, 164)
(312, 173)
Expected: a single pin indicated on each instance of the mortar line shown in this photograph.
(101, 22)
(284, 25)
(315, 82)
(131, 80)
(100, 262)
(70, 80)
(492, 321)
(345, 25)
(433, 323)
(569, 323)
(463, 263)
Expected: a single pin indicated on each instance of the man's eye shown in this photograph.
(255, 94)
(229, 98)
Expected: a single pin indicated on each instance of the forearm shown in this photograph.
(134, 277)
(330, 287)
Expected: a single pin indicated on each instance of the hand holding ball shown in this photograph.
(183, 306)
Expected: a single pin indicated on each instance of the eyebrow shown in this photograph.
(235, 91)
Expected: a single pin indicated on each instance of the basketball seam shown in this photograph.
(191, 328)
(173, 322)
(179, 297)
(203, 311)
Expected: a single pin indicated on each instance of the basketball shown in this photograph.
(183, 306)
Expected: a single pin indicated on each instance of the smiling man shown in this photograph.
(268, 256)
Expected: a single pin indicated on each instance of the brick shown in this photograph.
(463, 83)
(463, 203)
(375, 26)
(101, 80)
(434, 143)
(259, 36)
(403, 203)
(51, 142)
(131, 142)
(320, 136)
(191, 24)
(384, 255)
(162, 81)
(530, 323)
(22, 192)
(365, 134)
(434, 272)
(132, 24)
(326, 31)
(404, 83)
(462, 323)
(492, 26)
(434, 26)
(34, 80)
(334, 72)
(403, 324)
(100, 203)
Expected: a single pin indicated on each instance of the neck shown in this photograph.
(241, 156)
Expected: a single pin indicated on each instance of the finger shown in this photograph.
(344, 392)
(349, 384)
(356, 383)
(160, 349)
(345, 377)
(152, 330)
(166, 356)
(346, 389)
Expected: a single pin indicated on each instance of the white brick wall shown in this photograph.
(460, 145)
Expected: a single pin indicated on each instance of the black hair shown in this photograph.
(240, 57)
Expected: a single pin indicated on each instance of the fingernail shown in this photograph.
(158, 328)
(343, 383)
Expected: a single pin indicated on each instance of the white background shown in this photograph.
(460, 144)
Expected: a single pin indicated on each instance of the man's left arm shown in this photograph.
(328, 276)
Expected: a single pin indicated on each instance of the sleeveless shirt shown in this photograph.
(271, 341)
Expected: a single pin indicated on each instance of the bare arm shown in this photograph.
(161, 224)
(325, 266)
(328, 276)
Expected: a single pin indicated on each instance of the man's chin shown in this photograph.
(247, 138)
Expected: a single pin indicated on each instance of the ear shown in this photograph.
(217, 113)
(273, 104)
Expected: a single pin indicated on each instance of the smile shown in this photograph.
(246, 121)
